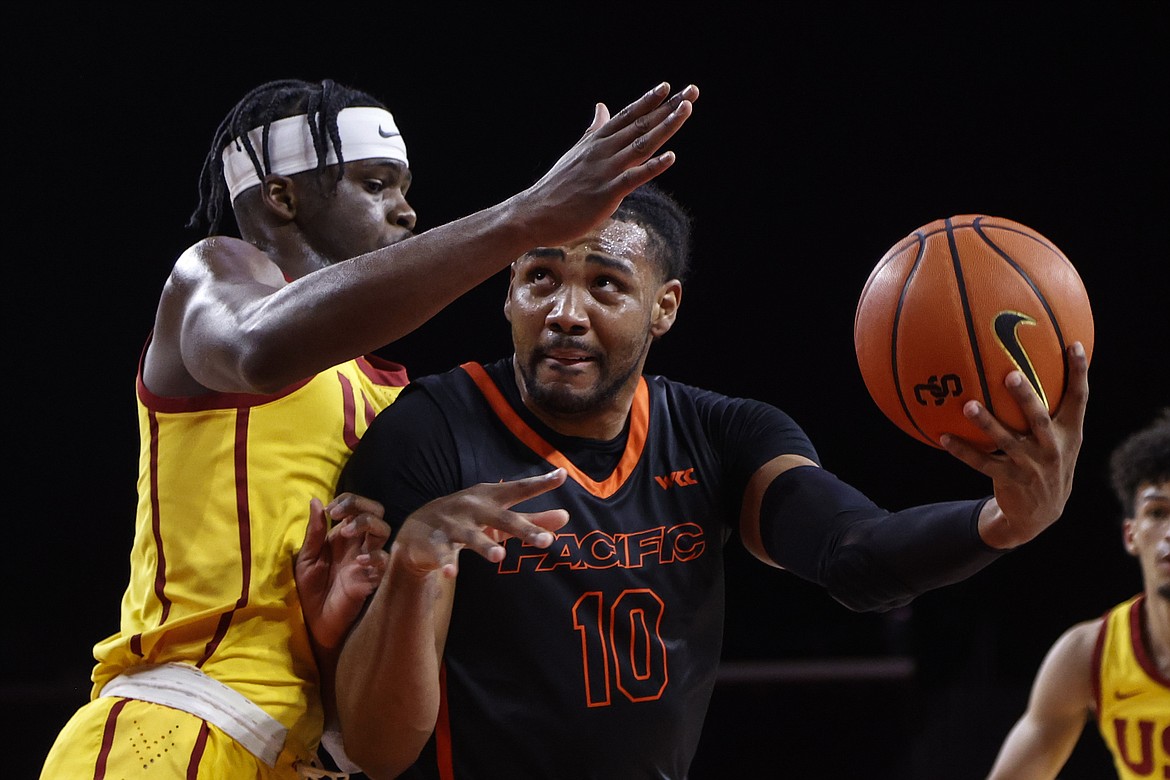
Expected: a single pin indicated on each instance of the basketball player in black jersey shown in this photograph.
(583, 639)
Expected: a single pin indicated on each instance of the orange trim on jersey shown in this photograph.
(443, 758)
(639, 427)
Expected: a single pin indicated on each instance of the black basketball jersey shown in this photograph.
(595, 657)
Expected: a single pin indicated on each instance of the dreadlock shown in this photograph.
(260, 108)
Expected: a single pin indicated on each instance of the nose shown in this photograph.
(402, 214)
(568, 313)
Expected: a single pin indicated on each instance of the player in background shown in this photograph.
(1115, 669)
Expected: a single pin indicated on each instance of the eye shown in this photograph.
(374, 185)
(608, 284)
(536, 275)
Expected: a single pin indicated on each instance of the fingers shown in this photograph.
(351, 504)
(517, 490)
(650, 109)
(479, 518)
(646, 135)
(549, 519)
(1076, 392)
(600, 117)
(315, 531)
(371, 567)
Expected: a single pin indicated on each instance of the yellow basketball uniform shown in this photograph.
(223, 501)
(1133, 697)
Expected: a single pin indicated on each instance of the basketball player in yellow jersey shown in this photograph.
(252, 391)
(1116, 668)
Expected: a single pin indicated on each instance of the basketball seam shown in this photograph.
(1036, 290)
(894, 340)
(957, 267)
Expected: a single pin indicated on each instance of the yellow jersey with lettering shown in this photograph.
(1133, 696)
(224, 484)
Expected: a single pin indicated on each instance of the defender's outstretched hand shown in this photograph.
(614, 156)
(478, 517)
(338, 568)
(1032, 473)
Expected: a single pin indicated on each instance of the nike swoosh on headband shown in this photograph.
(384, 134)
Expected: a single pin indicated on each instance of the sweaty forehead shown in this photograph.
(622, 239)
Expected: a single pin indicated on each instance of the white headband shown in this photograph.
(365, 133)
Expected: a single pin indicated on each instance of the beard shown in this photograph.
(558, 399)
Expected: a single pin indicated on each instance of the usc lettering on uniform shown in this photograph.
(1133, 696)
(1138, 749)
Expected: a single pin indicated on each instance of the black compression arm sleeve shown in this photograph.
(824, 530)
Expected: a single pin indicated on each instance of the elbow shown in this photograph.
(386, 759)
(259, 368)
(854, 581)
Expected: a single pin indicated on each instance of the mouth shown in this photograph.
(399, 236)
(566, 357)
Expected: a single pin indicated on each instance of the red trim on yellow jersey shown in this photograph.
(443, 759)
(379, 371)
(244, 526)
(639, 425)
(160, 577)
(1098, 652)
(99, 770)
(1140, 653)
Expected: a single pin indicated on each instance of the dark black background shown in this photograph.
(825, 133)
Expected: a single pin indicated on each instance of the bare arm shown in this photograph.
(1062, 698)
(228, 321)
(388, 674)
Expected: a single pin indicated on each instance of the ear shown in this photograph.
(1127, 536)
(279, 196)
(511, 289)
(669, 297)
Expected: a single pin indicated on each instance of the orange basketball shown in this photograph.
(955, 306)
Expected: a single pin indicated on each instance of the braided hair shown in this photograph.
(260, 108)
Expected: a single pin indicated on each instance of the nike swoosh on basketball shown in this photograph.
(1005, 325)
(384, 134)
(1127, 694)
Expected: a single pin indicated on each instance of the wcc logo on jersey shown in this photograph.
(680, 478)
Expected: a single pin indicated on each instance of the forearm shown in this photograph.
(387, 676)
(355, 307)
(1035, 750)
(869, 559)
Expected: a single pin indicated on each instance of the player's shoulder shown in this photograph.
(223, 257)
(680, 392)
(1077, 643)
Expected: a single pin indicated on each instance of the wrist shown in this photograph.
(994, 528)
